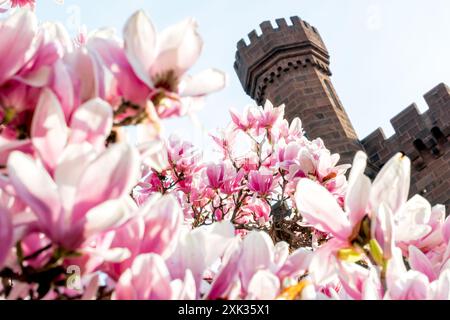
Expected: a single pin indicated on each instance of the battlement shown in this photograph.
(422, 137)
(266, 29)
(296, 40)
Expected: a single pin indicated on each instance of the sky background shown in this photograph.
(384, 54)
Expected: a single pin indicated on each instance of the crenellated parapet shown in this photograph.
(274, 51)
(425, 139)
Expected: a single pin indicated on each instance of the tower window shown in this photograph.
(438, 135)
(420, 146)
(332, 94)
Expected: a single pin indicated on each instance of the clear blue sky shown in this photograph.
(384, 54)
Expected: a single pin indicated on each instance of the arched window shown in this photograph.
(438, 135)
(420, 146)
(332, 94)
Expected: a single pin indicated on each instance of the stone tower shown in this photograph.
(289, 65)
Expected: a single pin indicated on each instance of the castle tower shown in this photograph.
(290, 64)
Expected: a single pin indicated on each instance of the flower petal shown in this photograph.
(264, 285)
(205, 82)
(419, 262)
(162, 225)
(391, 186)
(147, 279)
(140, 42)
(321, 210)
(92, 122)
(39, 192)
(18, 42)
(49, 132)
(179, 48)
(111, 176)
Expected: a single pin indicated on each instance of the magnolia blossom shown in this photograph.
(74, 204)
(273, 217)
(149, 279)
(161, 60)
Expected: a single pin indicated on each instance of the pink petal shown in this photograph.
(84, 66)
(352, 277)
(179, 48)
(297, 264)
(323, 263)
(18, 42)
(412, 285)
(111, 176)
(147, 279)
(103, 217)
(264, 285)
(9, 146)
(40, 193)
(199, 248)
(382, 229)
(140, 41)
(64, 86)
(419, 262)
(162, 225)
(441, 287)
(446, 230)
(49, 130)
(357, 199)
(257, 253)
(391, 186)
(205, 82)
(358, 190)
(129, 86)
(321, 210)
(226, 276)
(92, 122)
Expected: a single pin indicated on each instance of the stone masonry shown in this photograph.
(289, 64)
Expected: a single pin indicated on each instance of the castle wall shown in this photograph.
(425, 139)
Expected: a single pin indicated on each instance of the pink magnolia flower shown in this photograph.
(83, 197)
(149, 279)
(255, 210)
(219, 174)
(248, 119)
(198, 249)
(293, 131)
(421, 282)
(419, 225)
(161, 61)
(125, 84)
(360, 283)
(261, 182)
(269, 116)
(153, 228)
(183, 155)
(18, 33)
(319, 208)
(255, 268)
(225, 141)
(50, 134)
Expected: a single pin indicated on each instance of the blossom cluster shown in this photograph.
(84, 214)
(262, 158)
